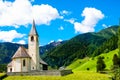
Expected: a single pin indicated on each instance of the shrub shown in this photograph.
(88, 69)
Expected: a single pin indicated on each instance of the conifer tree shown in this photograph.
(100, 64)
(116, 60)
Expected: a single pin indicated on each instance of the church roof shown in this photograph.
(21, 53)
(33, 29)
(10, 64)
(42, 62)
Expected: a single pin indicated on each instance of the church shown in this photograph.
(27, 60)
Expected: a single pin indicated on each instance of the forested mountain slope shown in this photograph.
(78, 47)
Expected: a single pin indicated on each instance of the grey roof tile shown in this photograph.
(21, 53)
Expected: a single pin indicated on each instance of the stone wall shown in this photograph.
(47, 72)
(65, 72)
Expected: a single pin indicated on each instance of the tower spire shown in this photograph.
(33, 29)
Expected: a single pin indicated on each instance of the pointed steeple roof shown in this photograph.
(33, 29)
(21, 53)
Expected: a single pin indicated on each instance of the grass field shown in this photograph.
(2, 74)
(84, 64)
(77, 75)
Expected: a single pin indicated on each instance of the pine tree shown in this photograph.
(100, 64)
(116, 60)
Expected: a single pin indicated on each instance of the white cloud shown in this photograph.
(72, 20)
(61, 28)
(21, 12)
(65, 12)
(92, 16)
(105, 26)
(21, 42)
(9, 36)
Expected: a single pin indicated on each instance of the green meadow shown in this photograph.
(90, 63)
(77, 75)
(2, 74)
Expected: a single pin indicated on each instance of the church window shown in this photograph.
(24, 62)
(32, 38)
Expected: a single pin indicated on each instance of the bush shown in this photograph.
(88, 69)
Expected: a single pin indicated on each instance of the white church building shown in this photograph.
(27, 60)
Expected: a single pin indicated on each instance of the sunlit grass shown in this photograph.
(83, 64)
(86, 76)
(75, 76)
(2, 74)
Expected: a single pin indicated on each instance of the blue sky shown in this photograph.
(56, 20)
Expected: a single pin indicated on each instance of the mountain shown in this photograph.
(109, 45)
(78, 47)
(8, 49)
(49, 46)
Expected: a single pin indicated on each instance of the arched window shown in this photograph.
(32, 38)
(24, 62)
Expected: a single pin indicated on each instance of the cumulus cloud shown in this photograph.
(21, 12)
(61, 28)
(9, 36)
(91, 18)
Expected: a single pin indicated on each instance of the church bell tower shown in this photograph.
(33, 48)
